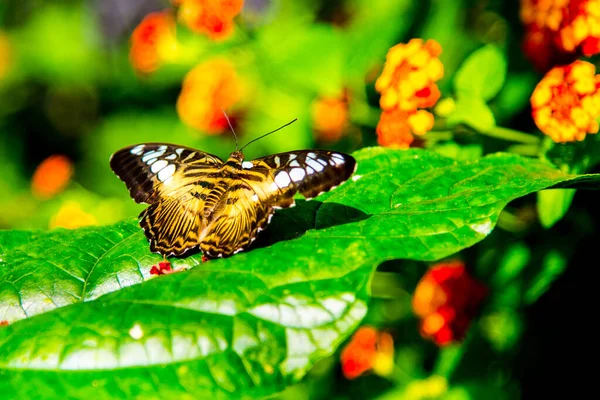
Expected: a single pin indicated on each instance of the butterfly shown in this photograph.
(196, 200)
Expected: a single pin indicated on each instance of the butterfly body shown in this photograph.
(198, 201)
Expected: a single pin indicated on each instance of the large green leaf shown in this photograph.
(86, 319)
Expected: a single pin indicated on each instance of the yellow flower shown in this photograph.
(566, 102)
(330, 116)
(208, 89)
(407, 83)
(70, 216)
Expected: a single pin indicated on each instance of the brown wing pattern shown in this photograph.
(277, 178)
(153, 170)
(171, 179)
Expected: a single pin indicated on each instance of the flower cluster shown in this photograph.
(407, 84)
(330, 116)
(213, 18)
(446, 300)
(566, 102)
(558, 31)
(52, 176)
(207, 90)
(368, 350)
(153, 42)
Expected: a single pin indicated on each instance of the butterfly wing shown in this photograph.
(153, 171)
(277, 178)
(175, 181)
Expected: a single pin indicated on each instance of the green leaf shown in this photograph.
(552, 205)
(87, 320)
(482, 74)
(472, 111)
(553, 265)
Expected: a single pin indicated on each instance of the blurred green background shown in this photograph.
(67, 87)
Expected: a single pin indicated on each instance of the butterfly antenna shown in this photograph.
(231, 126)
(267, 134)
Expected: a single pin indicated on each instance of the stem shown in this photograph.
(511, 135)
(524, 149)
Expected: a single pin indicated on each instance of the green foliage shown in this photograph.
(198, 332)
(482, 74)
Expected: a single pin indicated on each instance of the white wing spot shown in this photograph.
(315, 165)
(292, 157)
(254, 197)
(166, 172)
(277, 161)
(171, 157)
(311, 155)
(283, 179)
(159, 165)
(297, 174)
(152, 154)
(178, 151)
(294, 164)
(337, 160)
(162, 148)
(247, 165)
(137, 150)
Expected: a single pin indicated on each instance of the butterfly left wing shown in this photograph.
(153, 171)
(174, 180)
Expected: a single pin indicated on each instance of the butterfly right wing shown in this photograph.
(175, 181)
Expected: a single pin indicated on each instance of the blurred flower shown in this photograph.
(433, 387)
(153, 42)
(70, 216)
(446, 299)
(558, 31)
(566, 102)
(330, 115)
(4, 323)
(213, 18)
(369, 349)
(207, 89)
(407, 84)
(51, 176)
(5, 55)
(162, 268)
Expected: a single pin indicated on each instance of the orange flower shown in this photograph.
(153, 42)
(51, 176)
(446, 299)
(407, 84)
(566, 102)
(368, 350)
(70, 216)
(213, 18)
(207, 89)
(330, 115)
(5, 55)
(563, 28)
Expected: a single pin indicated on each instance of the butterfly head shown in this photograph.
(235, 159)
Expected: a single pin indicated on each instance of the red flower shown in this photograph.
(153, 41)
(213, 18)
(369, 349)
(446, 299)
(162, 268)
(559, 31)
(52, 176)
